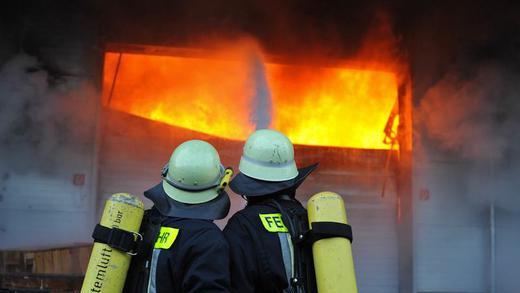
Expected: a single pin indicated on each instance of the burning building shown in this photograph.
(96, 102)
(336, 114)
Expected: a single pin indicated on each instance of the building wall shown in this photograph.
(451, 232)
(507, 237)
(41, 211)
(463, 152)
(48, 117)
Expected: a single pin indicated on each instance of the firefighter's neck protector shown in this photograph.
(214, 209)
(250, 187)
(268, 155)
(194, 173)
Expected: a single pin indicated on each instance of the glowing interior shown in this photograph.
(325, 106)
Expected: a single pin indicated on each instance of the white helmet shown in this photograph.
(194, 173)
(268, 155)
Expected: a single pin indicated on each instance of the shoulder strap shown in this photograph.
(300, 268)
(287, 256)
(117, 238)
(323, 230)
(139, 271)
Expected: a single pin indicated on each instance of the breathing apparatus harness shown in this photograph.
(141, 244)
(301, 270)
(129, 242)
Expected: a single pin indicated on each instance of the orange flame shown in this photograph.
(333, 106)
(197, 94)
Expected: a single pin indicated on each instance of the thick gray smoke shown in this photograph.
(261, 106)
(476, 117)
(45, 121)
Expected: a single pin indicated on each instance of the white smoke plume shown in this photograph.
(261, 113)
(45, 120)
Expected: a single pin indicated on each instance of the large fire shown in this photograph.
(333, 106)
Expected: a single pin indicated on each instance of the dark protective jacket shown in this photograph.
(196, 261)
(187, 255)
(256, 257)
(178, 254)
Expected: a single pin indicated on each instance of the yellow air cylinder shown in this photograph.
(107, 268)
(332, 257)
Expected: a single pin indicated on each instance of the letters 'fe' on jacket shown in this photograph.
(255, 251)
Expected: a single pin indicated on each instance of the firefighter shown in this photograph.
(263, 255)
(183, 250)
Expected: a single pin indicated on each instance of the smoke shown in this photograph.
(466, 116)
(476, 117)
(248, 52)
(45, 120)
(261, 106)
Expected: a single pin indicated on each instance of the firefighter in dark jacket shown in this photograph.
(263, 255)
(183, 250)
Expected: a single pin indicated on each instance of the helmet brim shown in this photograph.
(214, 209)
(268, 172)
(190, 197)
(248, 186)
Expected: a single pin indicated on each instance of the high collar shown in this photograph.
(215, 209)
(250, 187)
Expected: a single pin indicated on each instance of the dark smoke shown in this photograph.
(45, 121)
(468, 115)
(475, 116)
